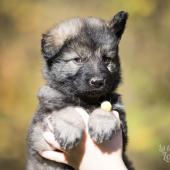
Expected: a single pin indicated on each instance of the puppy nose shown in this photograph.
(97, 82)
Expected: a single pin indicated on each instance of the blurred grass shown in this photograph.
(145, 59)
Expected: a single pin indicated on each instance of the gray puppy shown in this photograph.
(82, 68)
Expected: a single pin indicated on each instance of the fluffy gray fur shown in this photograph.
(82, 68)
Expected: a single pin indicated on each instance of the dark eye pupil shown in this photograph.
(78, 60)
(106, 59)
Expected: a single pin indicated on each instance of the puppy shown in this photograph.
(82, 68)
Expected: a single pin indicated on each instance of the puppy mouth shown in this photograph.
(92, 96)
(93, 93)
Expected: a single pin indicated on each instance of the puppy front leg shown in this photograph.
(102, 125)
(68, 124)
(68, 127)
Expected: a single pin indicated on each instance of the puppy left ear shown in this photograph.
(118, 23)
(49, 45)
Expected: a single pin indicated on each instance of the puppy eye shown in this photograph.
(79, 60)
(106, 59)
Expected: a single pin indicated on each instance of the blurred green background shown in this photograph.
(145, 55)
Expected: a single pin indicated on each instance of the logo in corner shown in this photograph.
(165, 150)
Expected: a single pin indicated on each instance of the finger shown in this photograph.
(116, 114)
(50, 139)
(54, 156)
(83, 113)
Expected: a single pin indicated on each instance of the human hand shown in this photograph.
(88, 155)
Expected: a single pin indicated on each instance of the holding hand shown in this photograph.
(88, 155)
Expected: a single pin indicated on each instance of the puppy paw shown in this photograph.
(103, 125)
(67, 135)
(68, 128)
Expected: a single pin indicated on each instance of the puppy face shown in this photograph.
(81, 55)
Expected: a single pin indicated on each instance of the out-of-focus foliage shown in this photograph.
(145, 56)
